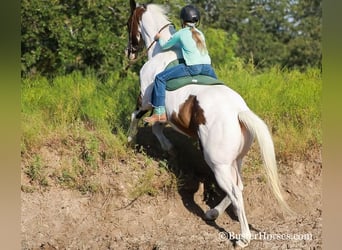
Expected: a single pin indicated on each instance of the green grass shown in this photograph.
(155, 179)
(84, 121)
(35, 171)
(288, 101)
(81, 119)
(69, 99)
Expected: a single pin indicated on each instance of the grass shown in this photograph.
(84, 121)
(35, 171)
(288, 101)
(153, 181)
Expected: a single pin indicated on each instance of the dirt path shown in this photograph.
(59, 218)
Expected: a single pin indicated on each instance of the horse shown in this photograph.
(215, 115)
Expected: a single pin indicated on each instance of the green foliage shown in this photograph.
(145, 184)
(283, 32)
(58, 37)
(77, 114)
(221, 46)
(153, 180)
(35, 171)
(61, 36)
(66, 100)
(304, 34)
(289, 102)
(79, 173)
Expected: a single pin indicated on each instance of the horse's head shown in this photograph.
(135, 41)
(144, 22)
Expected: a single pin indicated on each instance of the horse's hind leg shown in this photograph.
(227, 182)
(215, 212)
(247, 140)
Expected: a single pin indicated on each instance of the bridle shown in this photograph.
(135, 48)
(133, 22)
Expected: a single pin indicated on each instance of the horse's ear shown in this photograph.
(133, 5)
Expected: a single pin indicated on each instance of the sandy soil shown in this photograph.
(57, 218)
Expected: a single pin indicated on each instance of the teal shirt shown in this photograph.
(183, 39)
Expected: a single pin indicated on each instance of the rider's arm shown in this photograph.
(175, 38)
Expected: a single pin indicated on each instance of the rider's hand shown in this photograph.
(157, 36)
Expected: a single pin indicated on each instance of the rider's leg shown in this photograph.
(158, 93)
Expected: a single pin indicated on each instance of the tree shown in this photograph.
(60, 36)
(306, 33)
(284, 32)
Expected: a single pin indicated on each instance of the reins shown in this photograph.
(154, 41)
(131, 62)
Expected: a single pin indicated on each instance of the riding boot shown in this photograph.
(158, 115)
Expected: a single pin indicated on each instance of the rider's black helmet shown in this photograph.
(190, 14)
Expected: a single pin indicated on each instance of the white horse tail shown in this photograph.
(259, 129)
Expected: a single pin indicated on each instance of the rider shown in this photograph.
(195, 54)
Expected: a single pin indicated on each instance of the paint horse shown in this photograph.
(216, 115)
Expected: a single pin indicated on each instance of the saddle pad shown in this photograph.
(177, 83)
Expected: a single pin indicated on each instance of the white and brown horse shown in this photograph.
(216, 115)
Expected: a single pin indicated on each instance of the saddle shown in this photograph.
(177, 83)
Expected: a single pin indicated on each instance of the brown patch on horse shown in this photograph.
(189, 117)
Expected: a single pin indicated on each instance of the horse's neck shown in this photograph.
(157, 58)
(151, 26)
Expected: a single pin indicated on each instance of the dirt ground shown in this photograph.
(57, 218)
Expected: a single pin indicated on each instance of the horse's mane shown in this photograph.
(158, 10)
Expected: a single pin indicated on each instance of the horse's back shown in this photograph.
(211, 98)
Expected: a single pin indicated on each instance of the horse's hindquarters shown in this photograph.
(218, 99)
(211, 113)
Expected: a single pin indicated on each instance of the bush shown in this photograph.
(288, 101)
(75, 97)
(61, 36)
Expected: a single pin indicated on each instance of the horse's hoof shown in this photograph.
(241, 243)
(131, 140)
(212, 214)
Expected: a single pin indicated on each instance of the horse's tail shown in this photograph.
(260, 130)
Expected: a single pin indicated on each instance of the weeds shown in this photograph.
(77, 115)
(35, 171)
(145, 184)
(288, 101)
(154, 180)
